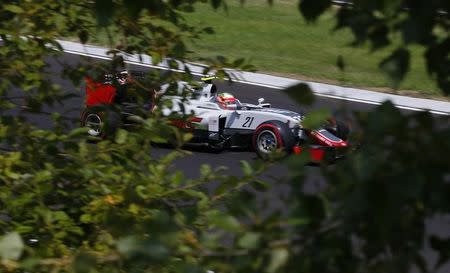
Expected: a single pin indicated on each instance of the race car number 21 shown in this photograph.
(248, 122)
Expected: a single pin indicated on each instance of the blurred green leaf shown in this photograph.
(246, 168)
(128, 245)
(22, 229)
(156, 58)
(300, 93)
(13, 8)
(312, 9)
(250, 240)
(187, 137)
(121, 136)
(396, 66)
(278, 258)
(81, 131)
(208, 30)
(123, 202)
(205, 170)
(223, 221)
(132, 246)
(85, 218)
(316, 119)
(260, 185)
(11, 246)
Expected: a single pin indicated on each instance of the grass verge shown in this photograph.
(278, 41)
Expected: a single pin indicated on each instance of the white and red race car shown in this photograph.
(221, 121)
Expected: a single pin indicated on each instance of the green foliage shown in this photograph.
(11, 246)
(316, 119)
(301, 93)
(417, 22)
(70, 205)
(396, 66)
(311, 9)
(372, 213)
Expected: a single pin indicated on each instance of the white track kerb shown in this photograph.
(320, 89)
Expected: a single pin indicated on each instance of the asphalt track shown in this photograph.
(190, 165)
(246, 93)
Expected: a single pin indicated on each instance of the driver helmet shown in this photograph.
(226, 100)
(122, 77)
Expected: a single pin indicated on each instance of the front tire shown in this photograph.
(266, 143)
(271, 136)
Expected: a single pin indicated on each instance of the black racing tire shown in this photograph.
(270, 136)
(215, 148)
(102, 122)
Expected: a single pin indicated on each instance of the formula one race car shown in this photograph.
(221, 121)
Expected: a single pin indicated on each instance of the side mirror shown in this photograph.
(261, 100)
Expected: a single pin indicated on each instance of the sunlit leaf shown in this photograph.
(246, 168)
(84, 36)
(278, 258)
(340, 63)
(250, 240)
(84, 262)
(121, 136)
(11, 246)
(221, 220)
(13, 8)
(216, 3)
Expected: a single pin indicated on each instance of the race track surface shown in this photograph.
(231, 159)
(246, 93)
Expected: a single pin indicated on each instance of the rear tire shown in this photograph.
(102, 122)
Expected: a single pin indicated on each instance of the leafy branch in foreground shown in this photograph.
(373, 214)
(399, 23)
(68, 205)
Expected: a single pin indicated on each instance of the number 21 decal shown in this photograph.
(248, 122)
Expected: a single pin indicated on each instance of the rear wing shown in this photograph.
(99, 93)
